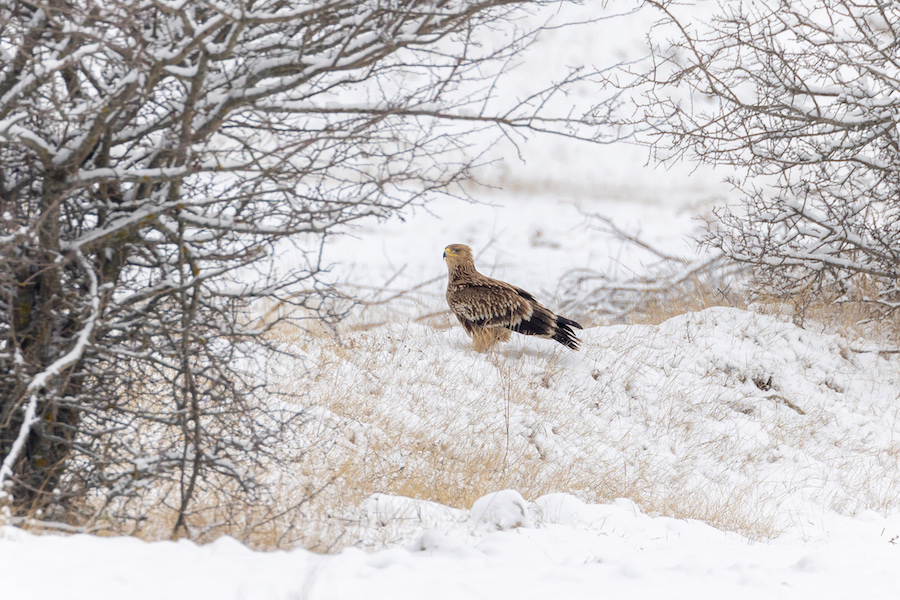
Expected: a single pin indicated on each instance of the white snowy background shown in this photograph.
(722, 454)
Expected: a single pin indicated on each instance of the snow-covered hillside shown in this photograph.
(624, 471)
(724, 415)
(723, 453)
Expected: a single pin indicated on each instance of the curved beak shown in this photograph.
(445, 255)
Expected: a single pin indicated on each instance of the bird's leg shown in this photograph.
(484, 339)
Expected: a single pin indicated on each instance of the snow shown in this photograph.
(562, 548)
(720, 454)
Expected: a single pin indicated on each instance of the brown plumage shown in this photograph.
(489, 309)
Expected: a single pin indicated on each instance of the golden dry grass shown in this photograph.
(659, 308)
(387, 455)
(811, 309)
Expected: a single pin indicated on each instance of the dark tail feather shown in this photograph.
(564, 335)
(544, 323)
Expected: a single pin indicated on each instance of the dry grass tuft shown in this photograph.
(854, 320)
(695, 296)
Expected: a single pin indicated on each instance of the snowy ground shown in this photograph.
(721, 454)
(737, 419)
(505, 547)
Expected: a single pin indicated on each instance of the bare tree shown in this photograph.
(666, 282)
(803, 99)
(153, 156)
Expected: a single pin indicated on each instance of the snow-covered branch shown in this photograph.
(667, 283)
(802, 99)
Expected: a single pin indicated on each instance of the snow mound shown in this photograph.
(731, 417)
(500, 511)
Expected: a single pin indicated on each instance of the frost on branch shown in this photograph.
(665, 286)
(154, 159)
(803, 99)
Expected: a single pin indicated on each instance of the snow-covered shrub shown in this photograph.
(156, 159)
(802, 99)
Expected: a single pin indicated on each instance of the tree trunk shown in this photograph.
(42, 330)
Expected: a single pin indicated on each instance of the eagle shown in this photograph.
(489, 309)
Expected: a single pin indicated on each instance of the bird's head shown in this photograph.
(458, 254)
